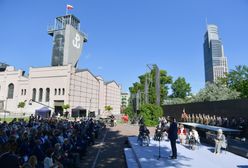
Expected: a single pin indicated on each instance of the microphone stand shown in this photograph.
(159, 147)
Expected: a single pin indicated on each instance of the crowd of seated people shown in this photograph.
(190, 138)
(46, 142)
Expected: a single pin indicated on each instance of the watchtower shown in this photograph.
(67, 40)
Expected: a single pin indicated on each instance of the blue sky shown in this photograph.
(125, 35)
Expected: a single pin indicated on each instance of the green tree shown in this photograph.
(180, 88)
(21, 105)
(165, 80)
(108, 108)
(215, 92)
(238, 80)
(65, 106)
(151, 113)
(129, 111)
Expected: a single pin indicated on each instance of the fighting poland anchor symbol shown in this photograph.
(76, 41)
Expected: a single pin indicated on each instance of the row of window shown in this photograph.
(23, 92)
(11, 88)
(58, 91)
(40, 96)
(47, 98)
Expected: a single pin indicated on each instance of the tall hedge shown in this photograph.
(151, 113)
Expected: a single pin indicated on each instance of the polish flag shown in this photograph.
(69, 7)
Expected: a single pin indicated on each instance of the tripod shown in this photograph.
(159, 151)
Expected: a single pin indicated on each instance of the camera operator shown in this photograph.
(112, 120)
(143, 131)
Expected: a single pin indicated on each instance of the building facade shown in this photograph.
(124, 99)
(61, 83)
(215, 62)
(54, 86)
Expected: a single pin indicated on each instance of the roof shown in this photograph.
(83, 70)
(113, 81)
(43, 109)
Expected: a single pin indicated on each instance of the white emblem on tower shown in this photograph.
(76, 41)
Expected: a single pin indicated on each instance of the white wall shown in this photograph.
(84, 91)
(15, 77)
(81, 87)
(113, 96)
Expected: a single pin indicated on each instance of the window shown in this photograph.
(59, 91)
(11, 91)
(63, 91)
(22, 92)
(47, 94)
(25, 91)
(55, 91)
(34, 94)
(40, 94)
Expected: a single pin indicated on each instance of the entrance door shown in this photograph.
(58, 110)
(58, 107)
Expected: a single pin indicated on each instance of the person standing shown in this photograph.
(172, 135)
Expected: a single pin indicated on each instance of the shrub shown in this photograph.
(151, 113)
(129, 111)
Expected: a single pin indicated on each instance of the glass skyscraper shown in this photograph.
(215, 62)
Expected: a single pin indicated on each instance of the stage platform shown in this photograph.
(201, 157)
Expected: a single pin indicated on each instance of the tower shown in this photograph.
(67, 40)
(215, 62)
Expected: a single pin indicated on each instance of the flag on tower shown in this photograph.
(69, 7)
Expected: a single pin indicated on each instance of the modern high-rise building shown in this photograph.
(215, 61)
(67, 40)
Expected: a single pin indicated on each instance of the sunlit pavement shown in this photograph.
(109, 148)
(201, 157)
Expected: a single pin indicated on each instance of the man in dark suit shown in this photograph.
(172, 135)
